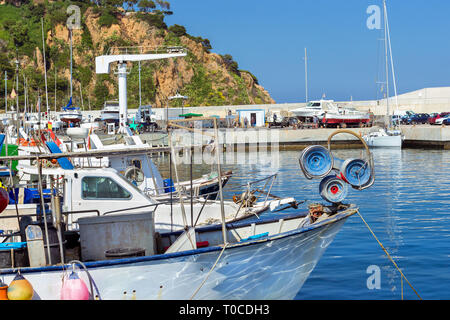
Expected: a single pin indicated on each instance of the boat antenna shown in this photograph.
(45, 66)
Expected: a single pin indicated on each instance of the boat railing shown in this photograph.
(145, 50)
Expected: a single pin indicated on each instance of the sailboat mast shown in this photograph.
(306, 77)
(387, 65)
(45, 68)
(6, 93)
(392, 61)
(70, 35)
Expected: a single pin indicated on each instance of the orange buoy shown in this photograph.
(20, 289)
(3, 291)
(74, 288)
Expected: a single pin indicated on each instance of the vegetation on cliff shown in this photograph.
(206, 78)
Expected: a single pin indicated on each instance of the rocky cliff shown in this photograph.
(207, 78)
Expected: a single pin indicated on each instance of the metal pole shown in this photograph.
(172, 150)
(70, 35)
(306, 77)
(222, 209)
(45, 67)
(39, 163)
(17, 101)
(192, 203)
(140, 100)
(6, 93)
(55, 89)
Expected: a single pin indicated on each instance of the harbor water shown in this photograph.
(408, 209)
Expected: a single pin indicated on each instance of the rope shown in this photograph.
(207, 276)
(389, 257)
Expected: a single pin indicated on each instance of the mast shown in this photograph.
(306, 77)
(6, 93)
(45, 67)
(140, 100)
(70, 36)
(55, 89)
(392, 59)
(387, 67)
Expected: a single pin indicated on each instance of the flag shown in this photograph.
(13, 94)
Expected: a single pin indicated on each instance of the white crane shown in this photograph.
(102, 66)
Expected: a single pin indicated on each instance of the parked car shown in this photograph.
(281, 123)
(405, 118)
(432, 119)
(418, 118)
(446, 121)
(442, 119)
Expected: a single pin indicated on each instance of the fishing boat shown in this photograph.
(331, 115)
(386, 137)
(344, 116)
(122, 256)
(312, 108)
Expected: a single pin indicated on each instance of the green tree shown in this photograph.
(146, 5)
(178, 30)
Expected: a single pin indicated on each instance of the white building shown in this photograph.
(255, 117)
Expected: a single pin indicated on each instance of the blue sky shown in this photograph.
(268, 38)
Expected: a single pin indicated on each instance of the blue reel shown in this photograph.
(356, 172)
(316, 162)
(333, 189)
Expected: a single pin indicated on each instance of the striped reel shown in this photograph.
(333, 189)
(316, 162)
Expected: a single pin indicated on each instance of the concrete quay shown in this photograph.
(416, 136)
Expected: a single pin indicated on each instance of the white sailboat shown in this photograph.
(386, 137)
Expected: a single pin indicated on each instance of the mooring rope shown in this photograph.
(389, 256)
(207, 276)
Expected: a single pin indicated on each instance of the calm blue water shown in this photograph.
(408, 208)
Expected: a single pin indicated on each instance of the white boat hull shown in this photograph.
(71, 117)
(271, 268)
(384, 141)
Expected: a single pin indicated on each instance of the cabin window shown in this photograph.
(102, 188)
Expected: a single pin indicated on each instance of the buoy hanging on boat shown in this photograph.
(333, 189)
(356, 172)
(4, 199)
(20, 289)
(316, 162)
(3, 291)
(74, 288)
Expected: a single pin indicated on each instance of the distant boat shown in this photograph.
(71, 114)
(312, 108)
(383, 138)
(110, 112)
(330, 114)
